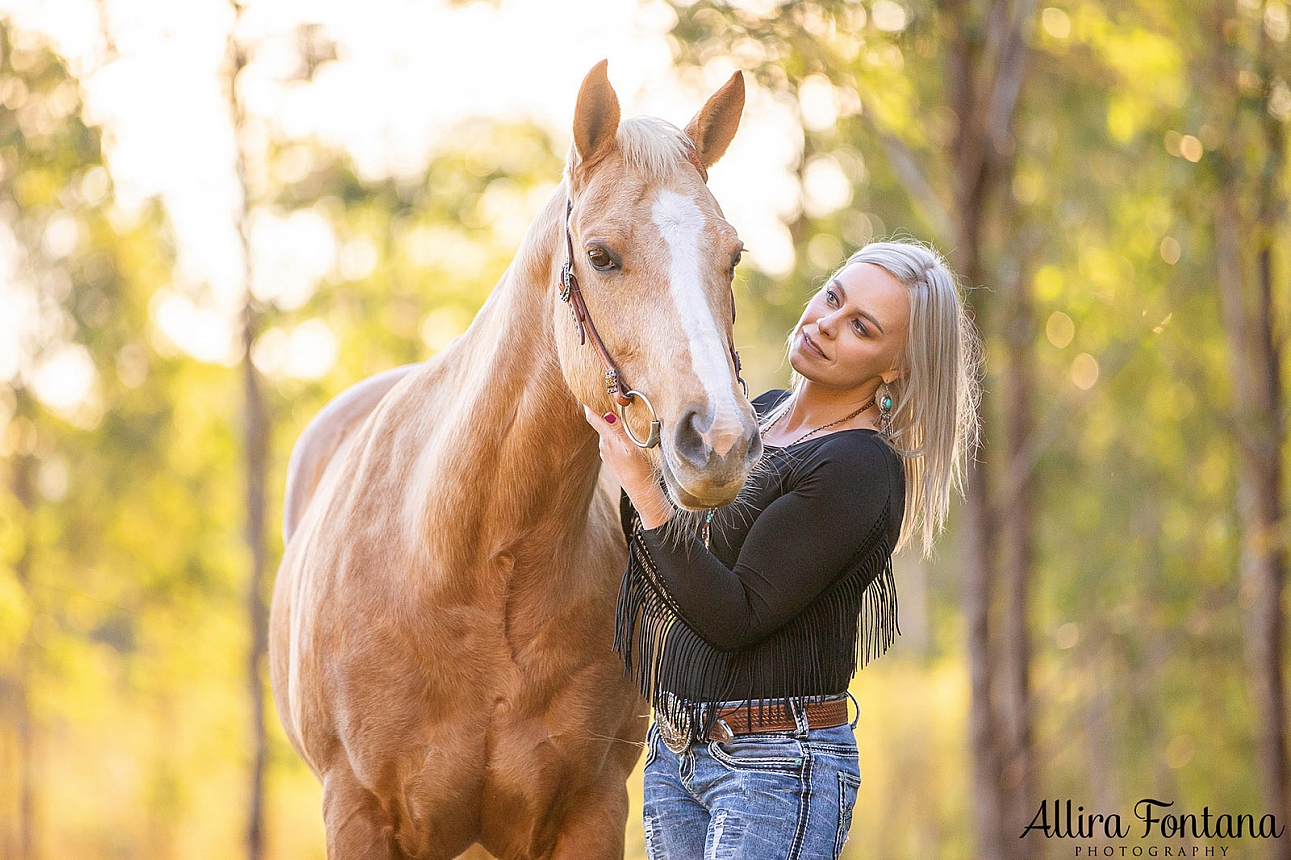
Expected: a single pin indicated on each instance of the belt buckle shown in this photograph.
(675, 736)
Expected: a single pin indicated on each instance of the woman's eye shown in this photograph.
(831, 297)
(859, 327)
(600, 259)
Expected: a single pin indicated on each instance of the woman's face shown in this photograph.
(854, 329)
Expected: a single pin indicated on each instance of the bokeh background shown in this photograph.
(214, 217)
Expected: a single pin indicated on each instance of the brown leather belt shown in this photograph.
(745, 719)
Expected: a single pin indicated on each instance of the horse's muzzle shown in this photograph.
(700, 477)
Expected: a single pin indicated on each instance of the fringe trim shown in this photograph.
(854, 621)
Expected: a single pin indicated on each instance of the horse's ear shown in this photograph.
(713, 127)
(596, 115)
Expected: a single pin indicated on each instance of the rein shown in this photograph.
(572, 295)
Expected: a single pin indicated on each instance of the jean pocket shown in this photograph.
(848, 784)
(759, 752)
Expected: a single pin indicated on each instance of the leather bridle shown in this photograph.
(571, 294)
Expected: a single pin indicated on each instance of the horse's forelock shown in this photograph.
(650, 146)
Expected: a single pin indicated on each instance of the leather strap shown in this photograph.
(745, 720)
(572, 294)
(693, 157)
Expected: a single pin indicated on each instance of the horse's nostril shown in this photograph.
(689, 437)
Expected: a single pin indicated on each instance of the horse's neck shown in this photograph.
(522, 456)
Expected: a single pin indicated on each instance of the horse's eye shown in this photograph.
(600, 260)
(735, 261)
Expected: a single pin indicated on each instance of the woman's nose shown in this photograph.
(827, 324)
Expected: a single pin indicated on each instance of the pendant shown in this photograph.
(707, 531)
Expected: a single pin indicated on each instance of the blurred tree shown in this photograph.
(74, 266)
(256, 432)
(1242, 79)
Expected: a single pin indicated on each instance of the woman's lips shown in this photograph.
(811, 345)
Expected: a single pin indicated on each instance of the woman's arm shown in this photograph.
(795, 548)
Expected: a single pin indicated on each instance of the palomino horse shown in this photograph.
(442, 621)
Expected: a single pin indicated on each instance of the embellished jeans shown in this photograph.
(768, 796)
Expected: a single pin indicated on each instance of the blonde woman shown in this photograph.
(745, 627)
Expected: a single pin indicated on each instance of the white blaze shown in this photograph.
(681, 224)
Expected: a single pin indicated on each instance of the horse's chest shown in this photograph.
(532, 617)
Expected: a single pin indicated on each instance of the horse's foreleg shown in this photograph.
(357, 827)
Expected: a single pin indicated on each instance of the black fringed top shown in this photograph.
(797, 583)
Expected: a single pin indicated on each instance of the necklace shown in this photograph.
(811, 433)
(708, 516)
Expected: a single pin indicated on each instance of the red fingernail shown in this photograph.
(610, 418)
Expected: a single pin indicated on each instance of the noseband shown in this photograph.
(571, 294)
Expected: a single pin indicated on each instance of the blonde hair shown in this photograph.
(935, 423)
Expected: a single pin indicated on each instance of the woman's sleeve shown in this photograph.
(795, 548)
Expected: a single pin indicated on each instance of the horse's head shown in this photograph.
(654, 258)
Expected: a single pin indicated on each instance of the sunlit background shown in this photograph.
(405, 76)
(1100, 198)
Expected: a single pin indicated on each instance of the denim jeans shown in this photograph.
(768, 796)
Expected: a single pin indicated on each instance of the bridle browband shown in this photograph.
(571, 294)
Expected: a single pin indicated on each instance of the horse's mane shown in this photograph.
(651, 146)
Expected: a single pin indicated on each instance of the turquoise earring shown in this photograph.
(885, 412)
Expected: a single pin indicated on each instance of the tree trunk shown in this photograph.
(256, 451)
(966, 260)
(1267, 628)
(1254, 361)
(987, 63)
(1096, 715)
(1017, 776)
(983, 733)
(255, 442)
(1246, 292)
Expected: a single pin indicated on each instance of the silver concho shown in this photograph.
(675, 736)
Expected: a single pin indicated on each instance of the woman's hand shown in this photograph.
(630, 467)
